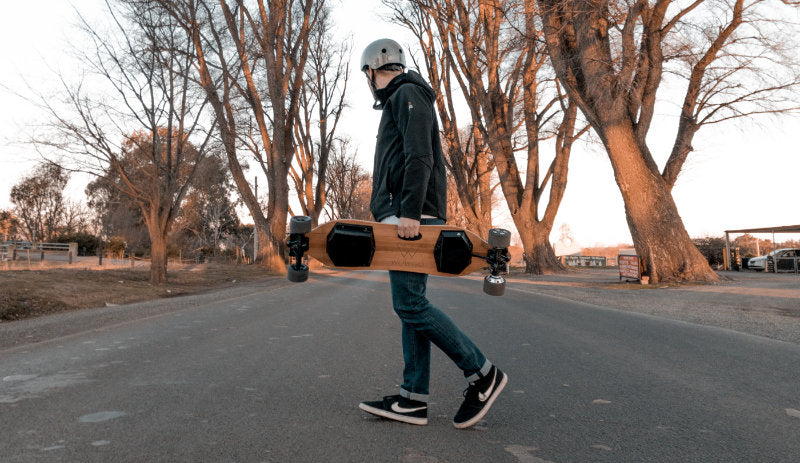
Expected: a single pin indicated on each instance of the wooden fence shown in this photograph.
(14, 250)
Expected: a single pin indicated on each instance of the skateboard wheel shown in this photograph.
(300, 224)
(499, 238)
(297, 275)
(494, 285)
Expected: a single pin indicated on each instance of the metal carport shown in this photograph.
(773, 230)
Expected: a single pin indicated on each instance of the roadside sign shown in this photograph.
(628, 267)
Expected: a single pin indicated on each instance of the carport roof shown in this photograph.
(783, 229)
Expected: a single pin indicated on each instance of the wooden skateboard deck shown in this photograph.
(395, 253)
(361, 245)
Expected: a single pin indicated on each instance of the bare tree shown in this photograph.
(737, 60)
(39, 202)
(492, 50)
(465, 150)
(321, 104)
(148, 140)
(76, 218)
(349, 186)
(611, 57)
(251, 58)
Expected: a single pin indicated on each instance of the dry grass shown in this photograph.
(36, 290)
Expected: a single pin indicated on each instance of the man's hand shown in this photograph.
(407, 228)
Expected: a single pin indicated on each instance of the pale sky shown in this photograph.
(741, 175)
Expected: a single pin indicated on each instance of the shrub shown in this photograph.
(87, 243)
(116, 244)
(711, 248)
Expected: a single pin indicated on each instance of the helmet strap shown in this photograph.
(371, 77)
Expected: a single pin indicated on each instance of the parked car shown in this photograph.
(760, 262)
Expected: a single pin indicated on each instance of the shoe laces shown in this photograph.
(474, 388)
(469, 388)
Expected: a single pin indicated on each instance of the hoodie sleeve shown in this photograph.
(414, 115)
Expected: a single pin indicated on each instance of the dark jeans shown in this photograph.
(424, 324)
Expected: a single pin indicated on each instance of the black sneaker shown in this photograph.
(479, 397)
(396, 407)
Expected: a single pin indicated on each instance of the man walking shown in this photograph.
(409, 188)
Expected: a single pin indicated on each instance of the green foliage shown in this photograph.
(117, 214)
(206, 251)
(116, 244)
(87, 243)
(207, 216)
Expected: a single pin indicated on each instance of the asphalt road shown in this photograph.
(275, 374)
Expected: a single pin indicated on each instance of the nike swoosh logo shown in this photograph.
(397, 408)
(484, 396)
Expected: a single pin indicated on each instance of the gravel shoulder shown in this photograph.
(761, 304)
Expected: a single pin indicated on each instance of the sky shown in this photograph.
(741, 175)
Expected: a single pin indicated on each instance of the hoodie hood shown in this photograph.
(409, 177)
(408, 77)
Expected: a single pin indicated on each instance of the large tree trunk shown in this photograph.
(158, 255)
(539, 255)
(658, 233)
(274, 256)
(617, 95)
(280, 155)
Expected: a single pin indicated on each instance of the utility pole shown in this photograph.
(255, 231)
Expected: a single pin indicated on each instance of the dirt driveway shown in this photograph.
(750, 302)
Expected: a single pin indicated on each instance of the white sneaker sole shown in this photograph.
(393, 416)
(486, 407)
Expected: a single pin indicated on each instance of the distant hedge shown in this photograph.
(87, 243)
(712, 248)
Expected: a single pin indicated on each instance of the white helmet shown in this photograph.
(382, 52)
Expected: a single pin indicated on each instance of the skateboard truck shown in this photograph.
(499, 239)
(347, 245)
(298, 244)
(453, 253)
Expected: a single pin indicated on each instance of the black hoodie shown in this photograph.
(409, 178)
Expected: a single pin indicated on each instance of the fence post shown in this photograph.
(100, 256)
(70, 258)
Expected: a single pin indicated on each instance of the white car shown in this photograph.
(760, 262)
